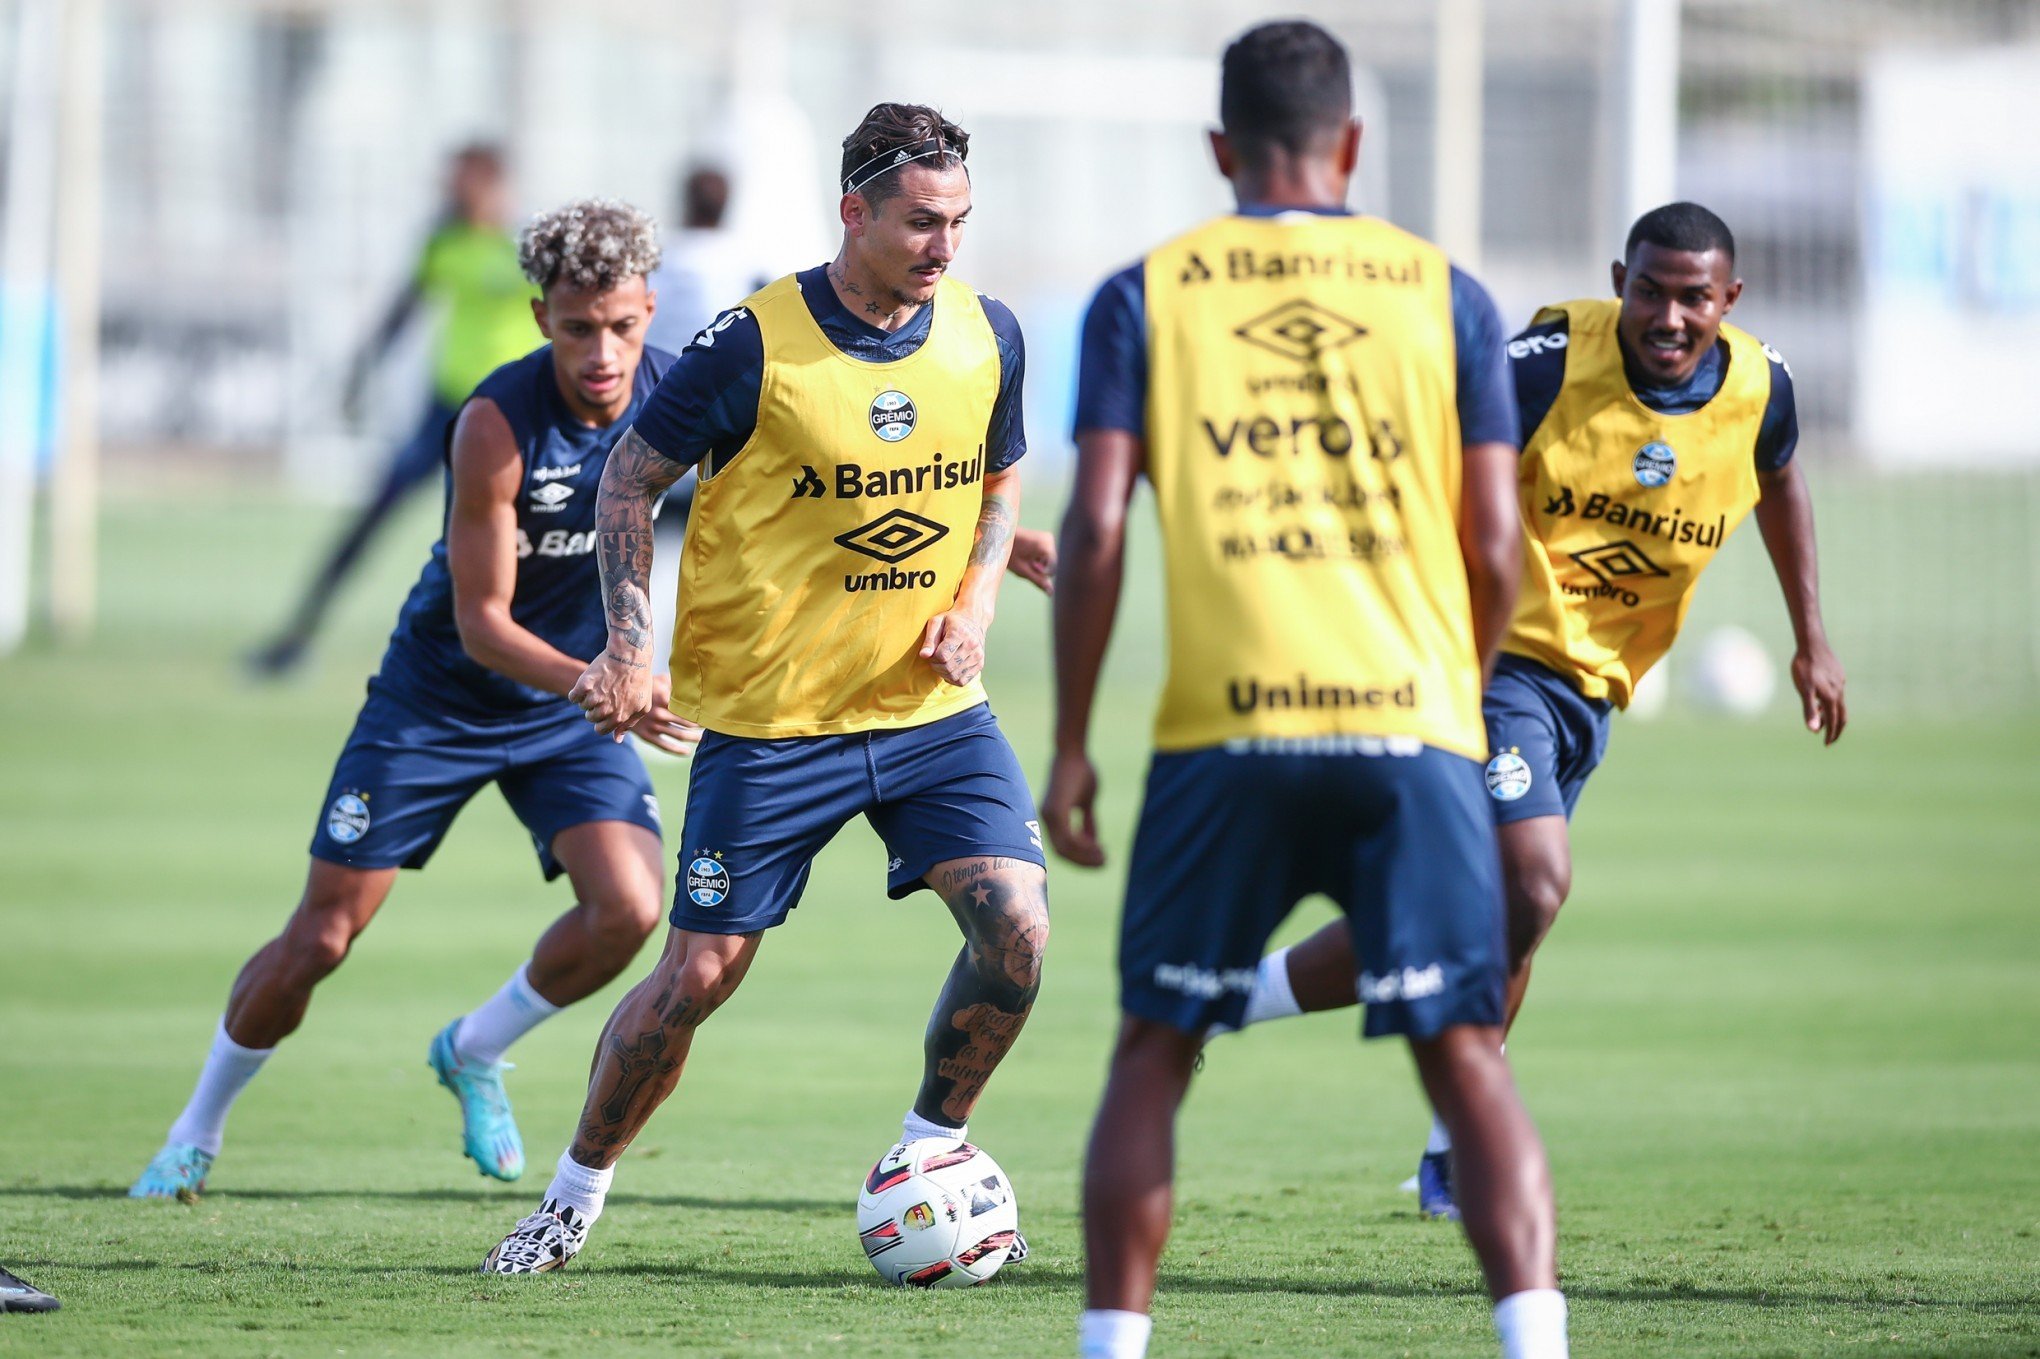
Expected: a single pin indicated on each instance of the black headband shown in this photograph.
(886, 161)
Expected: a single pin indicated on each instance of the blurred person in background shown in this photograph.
(468, 275)
(704, 267)
(472, 691)
(1651, 428)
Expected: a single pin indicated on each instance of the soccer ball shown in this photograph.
(937, 1213)
(1733, 674)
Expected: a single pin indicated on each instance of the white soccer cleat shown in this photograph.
(544, 1241)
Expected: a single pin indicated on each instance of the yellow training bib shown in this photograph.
(1624, 507)
(1303, 443)
(817, 554)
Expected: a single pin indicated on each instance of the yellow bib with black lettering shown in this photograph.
(1624, 507)
(1303, 443)
(817, 553)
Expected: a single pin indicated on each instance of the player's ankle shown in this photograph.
(1106, 1334)
(1440, 1140)
(1531, 1324)
(1272, 996)
(581, 1188)
(914, 1128)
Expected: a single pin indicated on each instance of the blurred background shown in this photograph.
(209, 204)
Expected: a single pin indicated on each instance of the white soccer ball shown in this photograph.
(1733, 674)
(937, 1213)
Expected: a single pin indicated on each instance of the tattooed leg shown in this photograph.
(1002, 907)
(644, 1046)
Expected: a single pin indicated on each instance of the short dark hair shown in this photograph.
(1681, 226)
(704, 197)
(1283, 84)
(889, 128)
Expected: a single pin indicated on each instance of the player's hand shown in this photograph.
(954, 643)
(1817, 675)
(1066, 813)
(661, 728)
(1033, 558)
(615, 694)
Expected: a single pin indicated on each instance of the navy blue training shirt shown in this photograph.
(559, 584)
(1112, 370)
(1537, 361)
(707, 406)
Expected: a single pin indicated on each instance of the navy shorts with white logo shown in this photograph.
(405, 773)
(1544, 739)
(1232, 837)
(759, 810)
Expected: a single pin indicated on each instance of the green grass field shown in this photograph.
(1782, 1048)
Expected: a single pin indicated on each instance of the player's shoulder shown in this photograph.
(514, 386)
(1765, 347)
(1544, 340)
(1005, 325)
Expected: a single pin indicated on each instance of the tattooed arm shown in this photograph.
(954, 641)
(617, 689)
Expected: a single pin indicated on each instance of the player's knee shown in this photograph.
(621, 922)
(317, 943)
(1012, 942)
(702, 981)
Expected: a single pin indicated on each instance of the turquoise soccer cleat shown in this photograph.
(488, 1129)
(177, 1172)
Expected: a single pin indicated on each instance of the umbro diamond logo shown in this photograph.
(893, 536)
(1300, 330)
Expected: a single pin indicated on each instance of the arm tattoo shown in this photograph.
(632, 481)
(994, 531)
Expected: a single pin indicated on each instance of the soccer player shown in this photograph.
(468, 271)
(472, 691)
(857, 428)
(1652, 428)
(1320, 403)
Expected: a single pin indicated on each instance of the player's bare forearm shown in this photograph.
(1491, 540)
(633, 479)
(1090, 565)
(1785, 518)
(992, 544)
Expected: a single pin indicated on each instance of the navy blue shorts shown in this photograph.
(1231, 839)
(1544, 739)
(405, 774)
(758, 811)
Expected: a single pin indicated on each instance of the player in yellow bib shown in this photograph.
(1652, 429)
(1320, 403)
(857, 429)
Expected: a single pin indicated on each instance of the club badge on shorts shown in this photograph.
(1655, 463)
(347, 819)
(1508, 776)
(708, 882)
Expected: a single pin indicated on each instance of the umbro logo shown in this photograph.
(894, 536)
(1301, 331)
(551, 497)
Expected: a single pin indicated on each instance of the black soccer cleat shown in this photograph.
(18, 1295)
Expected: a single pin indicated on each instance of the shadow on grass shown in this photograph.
(504, 1197)
(1039, 1275)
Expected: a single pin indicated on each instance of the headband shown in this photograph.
(886, 161)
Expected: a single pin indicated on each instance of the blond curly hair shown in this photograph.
(590, 244)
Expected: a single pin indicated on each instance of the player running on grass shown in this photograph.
(857, 428)
(472, 691)
(1320, 403)
(469, 272)
(1652, 427)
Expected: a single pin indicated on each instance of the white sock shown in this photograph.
(487, 1032)
(1271, 997)
(913, 1128)
(578, 1187)
(1532, 1324)
(1103, 1334)
(228, 1069)
(1441, 1138)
